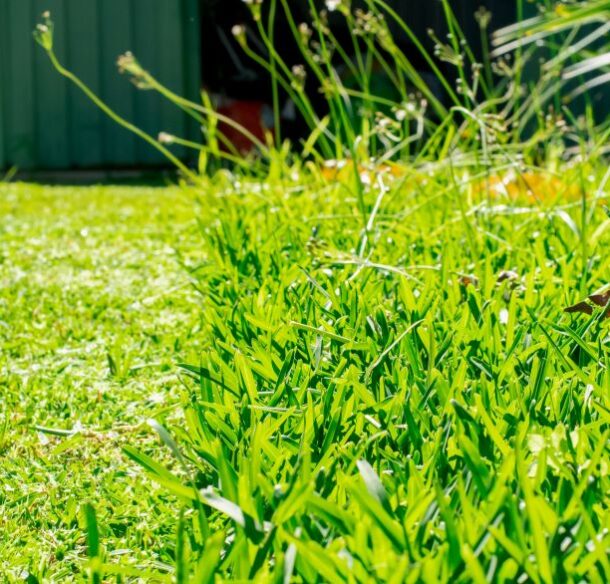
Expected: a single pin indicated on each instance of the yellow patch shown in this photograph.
(530, 186)
(344, 170)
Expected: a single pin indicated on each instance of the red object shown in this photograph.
(248, 114)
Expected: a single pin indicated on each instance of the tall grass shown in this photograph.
(390, 389)
(474, 109)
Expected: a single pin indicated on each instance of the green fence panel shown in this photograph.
(46, 123)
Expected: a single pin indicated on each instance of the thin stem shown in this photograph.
(119, 120)
(274, 81)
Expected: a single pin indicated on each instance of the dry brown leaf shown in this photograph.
(585, 307)
(582, 307)
(509, 275)
(600, 299)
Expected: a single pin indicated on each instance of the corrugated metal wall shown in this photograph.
(46, 123)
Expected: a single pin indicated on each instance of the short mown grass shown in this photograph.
(94, 309)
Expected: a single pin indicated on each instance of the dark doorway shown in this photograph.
(243, 88)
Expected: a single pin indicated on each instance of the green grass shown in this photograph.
(94, 309)
(378, 381)
(363, 412)
(361, 399)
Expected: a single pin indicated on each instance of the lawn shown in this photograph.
(379, 354)
(374, 389)
(95, 308)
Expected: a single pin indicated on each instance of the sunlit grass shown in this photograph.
(394, 395)
(94, 309)
(378, 379)
(402, 399)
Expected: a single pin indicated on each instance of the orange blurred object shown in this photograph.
(533, 186)
(536, 186)
(344, 170)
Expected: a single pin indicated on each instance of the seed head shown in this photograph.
(43, 34)
(166, 138)
(239, 32)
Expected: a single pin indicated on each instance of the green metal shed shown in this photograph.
(46, 123)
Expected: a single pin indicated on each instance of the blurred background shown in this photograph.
(48, 125)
